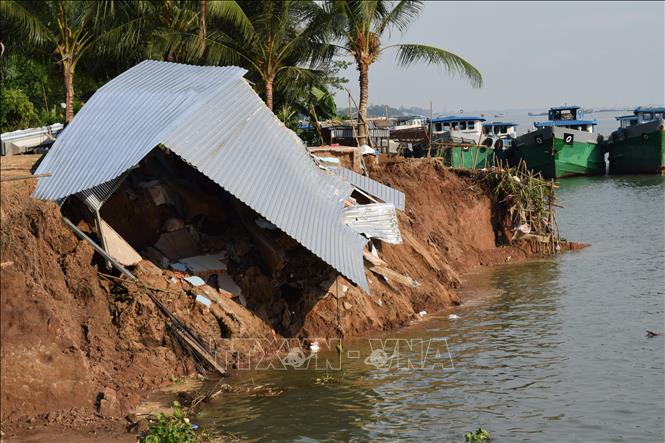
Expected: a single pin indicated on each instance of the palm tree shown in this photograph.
(68, 29)
(359, 25)
(279, 41)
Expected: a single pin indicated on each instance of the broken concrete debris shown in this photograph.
(177, 244)
(206, 265)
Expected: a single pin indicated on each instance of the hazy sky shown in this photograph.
(531, 55)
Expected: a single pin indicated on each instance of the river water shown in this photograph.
(545, 351)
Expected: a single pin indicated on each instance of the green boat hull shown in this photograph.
(560, 152)
(474, 157)
(638, 150)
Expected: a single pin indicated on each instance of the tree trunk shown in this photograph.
(362, 107)
(68, 67)
(269, 92)
(203, 30)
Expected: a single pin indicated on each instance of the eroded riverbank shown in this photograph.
(92, 349)
(548, 350)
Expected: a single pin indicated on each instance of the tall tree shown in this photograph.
(279, 41)
(69, 29)
(360, 25)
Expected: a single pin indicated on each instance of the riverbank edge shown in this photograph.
(477, 201)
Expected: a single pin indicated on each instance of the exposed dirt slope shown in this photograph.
(450, 226)
(77, 347)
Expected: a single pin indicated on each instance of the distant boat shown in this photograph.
(564, 145)
(533, 114)
(638, 145)
(499, 115)
(413, 121)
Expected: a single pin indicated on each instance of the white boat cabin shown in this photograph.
(464, 128)
(646, 114)
(408, 122)
(571, 117)
(626, 121)
(641, 114)
(500, 129)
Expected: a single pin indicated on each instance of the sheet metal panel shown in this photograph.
(95, 197)
(376, 220)
(213, 119)
(373, 187)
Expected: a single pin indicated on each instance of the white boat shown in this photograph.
(408, 122)
(458, 128)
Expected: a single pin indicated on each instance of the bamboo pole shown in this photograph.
(24, 177)
(181, 330)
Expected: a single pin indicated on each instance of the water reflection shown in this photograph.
(543, 351)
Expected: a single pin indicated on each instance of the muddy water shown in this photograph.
(544, 351)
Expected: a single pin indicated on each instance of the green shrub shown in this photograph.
(174, 428)
(326, 379)
(480, 436)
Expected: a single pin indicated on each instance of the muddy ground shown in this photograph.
(80, 350)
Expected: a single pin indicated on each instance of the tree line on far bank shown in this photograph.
(61, 51)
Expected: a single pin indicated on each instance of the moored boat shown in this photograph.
(638, 145)
(458, 140)
(499, 137)
(562, 146)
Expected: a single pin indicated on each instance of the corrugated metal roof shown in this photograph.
(95, 197)
(373, 187)
(211, 118)
(376, 220)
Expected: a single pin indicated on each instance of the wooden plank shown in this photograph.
(376, 261)
(118, 247)
(396, 276)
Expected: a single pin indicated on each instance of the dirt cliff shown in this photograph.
(78, 347)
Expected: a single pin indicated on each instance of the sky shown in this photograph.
(531, 55)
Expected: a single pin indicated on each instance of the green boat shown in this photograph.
(468, 142)
(563, 146)
(638, 146)
(468, 157)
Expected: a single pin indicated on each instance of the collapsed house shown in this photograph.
(165, 154)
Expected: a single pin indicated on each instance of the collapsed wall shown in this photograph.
(72, 338)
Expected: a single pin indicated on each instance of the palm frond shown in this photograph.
(231, 12)
(296, 75)
(408, 54)
(223, 49)
(123, 36)
(27, 23)
(400, 16)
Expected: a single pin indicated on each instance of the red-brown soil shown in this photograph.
(80, 351)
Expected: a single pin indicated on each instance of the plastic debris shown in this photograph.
(314, 347)
(422, 313)
(525, 228)
(453, 317)
(366, 149)
(195, 280)
(203, 300)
